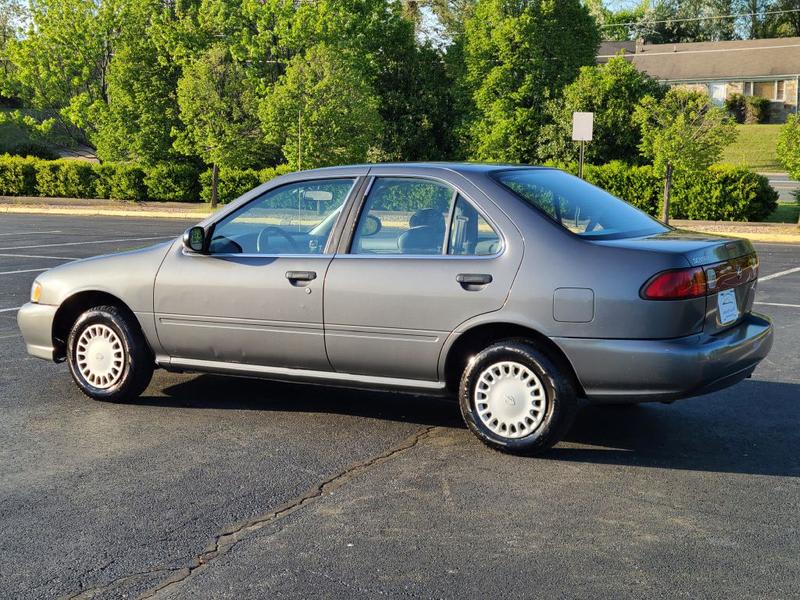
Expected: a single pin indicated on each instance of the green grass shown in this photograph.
(785, 213)
(754, 148)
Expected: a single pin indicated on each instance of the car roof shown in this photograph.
(458, 167)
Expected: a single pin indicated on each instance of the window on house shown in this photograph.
(764, 89)
(780, 90)
(748, 88)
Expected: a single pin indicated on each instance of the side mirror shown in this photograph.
(371, 226)
(194, 239)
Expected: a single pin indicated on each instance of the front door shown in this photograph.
(256, 296)
(423, 259)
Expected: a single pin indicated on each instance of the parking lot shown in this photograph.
(220, 487)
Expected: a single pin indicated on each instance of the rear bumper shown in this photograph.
(665, 370)
(36, 324)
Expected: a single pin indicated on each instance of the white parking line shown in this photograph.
(32, 232)
(141, 239)
(2, 310)
(24, 271)
(778, 304)
(779, 274)
(40, 256)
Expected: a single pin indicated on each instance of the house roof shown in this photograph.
(704, 61)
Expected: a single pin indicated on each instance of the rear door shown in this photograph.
(424, 256)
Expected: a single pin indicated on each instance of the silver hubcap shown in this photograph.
(510, 399)
(100, 356)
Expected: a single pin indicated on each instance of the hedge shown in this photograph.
(233, 183)
(722, 193)
(29, 176)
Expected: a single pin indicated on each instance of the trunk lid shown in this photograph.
(730, 265)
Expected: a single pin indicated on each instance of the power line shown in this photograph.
(709, 18)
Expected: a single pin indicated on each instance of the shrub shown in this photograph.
(235, 182)
(17, 176)
(633, 183)
(788, 148)
(756, 110)
(120, 181)
(723, 193)
(172, 182)
(735, 103)
(66, 178)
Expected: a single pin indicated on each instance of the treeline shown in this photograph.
(259, 83)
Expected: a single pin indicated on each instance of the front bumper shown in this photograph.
(36, 324)
(665, 370)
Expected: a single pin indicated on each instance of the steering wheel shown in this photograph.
(263, 236)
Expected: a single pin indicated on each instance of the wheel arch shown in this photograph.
(478, 337)
(73, 306)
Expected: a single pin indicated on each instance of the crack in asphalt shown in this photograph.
(225, 541)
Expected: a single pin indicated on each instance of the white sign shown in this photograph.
(582, 123)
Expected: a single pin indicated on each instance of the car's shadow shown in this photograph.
(752, 428)
(237, 393)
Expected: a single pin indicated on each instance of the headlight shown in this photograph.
(36, 292)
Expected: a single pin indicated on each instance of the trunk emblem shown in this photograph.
(739, 271)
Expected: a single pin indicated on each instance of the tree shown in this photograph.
(217, 107)
(682, 131)
(518, 56)
(611, 91)
(322, 111)
(788, 148)
(142, 105)
(12, 14)
(60, 66)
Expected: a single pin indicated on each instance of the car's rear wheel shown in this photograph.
(108, 356)
(515, 398)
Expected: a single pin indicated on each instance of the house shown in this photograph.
(768, 67)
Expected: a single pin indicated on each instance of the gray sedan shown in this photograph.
(518, 289)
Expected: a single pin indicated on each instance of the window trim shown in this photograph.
(782, 97)
(336, 231)
(359, 202)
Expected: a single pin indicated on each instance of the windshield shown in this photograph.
(580, 207)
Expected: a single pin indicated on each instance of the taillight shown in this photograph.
(676, 285)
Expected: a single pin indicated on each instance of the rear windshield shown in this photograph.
(580, 207)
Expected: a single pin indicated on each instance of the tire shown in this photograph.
(530, 394)
(108, 357)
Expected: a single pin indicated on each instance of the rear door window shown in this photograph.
(404, 216)
(470, 233)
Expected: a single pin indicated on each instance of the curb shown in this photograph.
(104, 212)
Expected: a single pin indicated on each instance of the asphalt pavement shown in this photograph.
(785, 186)
(233, 488)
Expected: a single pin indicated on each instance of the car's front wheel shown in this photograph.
(108, 356)
(515, 398)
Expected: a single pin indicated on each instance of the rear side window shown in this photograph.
(580, 207)
(404, 216)
(470, 233)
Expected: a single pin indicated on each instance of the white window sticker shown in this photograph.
(726, 302)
